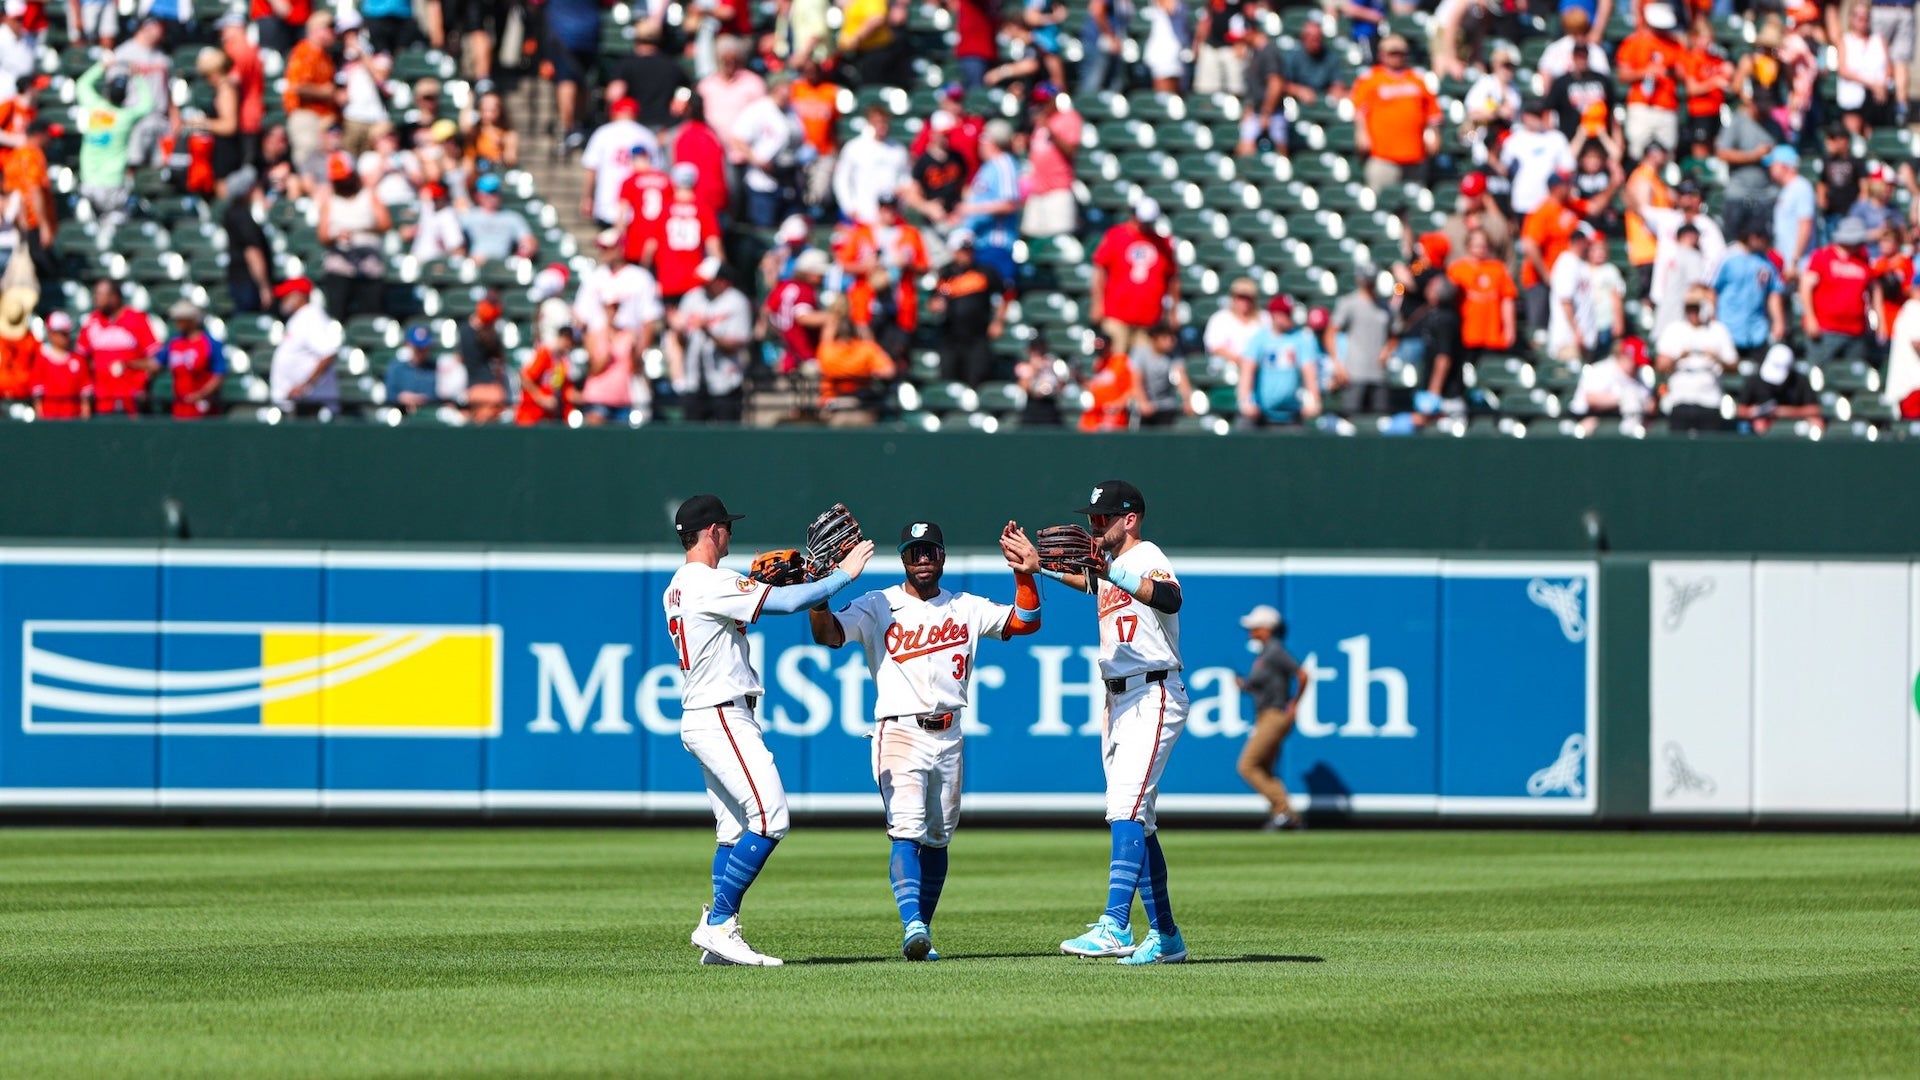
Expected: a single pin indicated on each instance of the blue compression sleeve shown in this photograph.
(1123, 872)
(749, 856)
(1126, 580)
(905, 871)
(1153, 890)
(933, 878)
(787, 599)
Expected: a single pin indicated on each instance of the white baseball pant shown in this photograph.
(1142, 725)
(918, 772)
(743, 784)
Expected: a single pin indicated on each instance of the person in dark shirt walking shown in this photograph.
(1277, 683)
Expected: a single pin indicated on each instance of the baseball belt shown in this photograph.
(930, 721)
(1119, 685)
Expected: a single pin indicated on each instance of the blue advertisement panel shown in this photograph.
(1518, 687)
(548, 681)
(238, 626)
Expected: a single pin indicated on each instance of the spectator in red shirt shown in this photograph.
(793, 311)
(963, 136)
(281, 22)
(546, 394)
(197, 361)
(695, 143)
(1837, 289)
(1135, 281)
(689, 235)
(978, 21)
(644, 198)
(118, 343)
(62, 386)
(249, 76)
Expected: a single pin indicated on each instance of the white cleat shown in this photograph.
(708, 959)
(724, 941)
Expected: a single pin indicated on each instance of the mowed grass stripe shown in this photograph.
(467, 952)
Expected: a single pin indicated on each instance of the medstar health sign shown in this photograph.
(315, 678)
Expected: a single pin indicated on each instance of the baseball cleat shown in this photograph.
(1103, 938)
(725, 942)
(918, 944)
(1158, 950)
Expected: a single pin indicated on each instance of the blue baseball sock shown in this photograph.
(749, 855)
(721, 856)
(933, 878)
(1123, 873)
(1153, 890)
(904, 869)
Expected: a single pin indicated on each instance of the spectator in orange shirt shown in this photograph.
(1543, 236)
(1487, 294)
(19, 349)
(853, 372)
(1648, 62)
(1112, 388)
(1396, 119)
(882, 261)
(1708, 75)
(312, 99)
(816, 102)
(25, 175)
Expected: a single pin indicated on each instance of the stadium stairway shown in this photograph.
(557, 178)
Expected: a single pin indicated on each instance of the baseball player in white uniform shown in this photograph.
(1139, 605)
(708, 610)
(919, 639)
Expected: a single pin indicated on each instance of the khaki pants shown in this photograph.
(304, 128)
(1124, 335)
(1262, 751)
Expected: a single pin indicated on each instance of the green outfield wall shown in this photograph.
(238, 482)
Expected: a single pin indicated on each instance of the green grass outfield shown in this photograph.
(1331, 953)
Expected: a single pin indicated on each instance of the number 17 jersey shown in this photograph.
(1135, 638)
(708, 611)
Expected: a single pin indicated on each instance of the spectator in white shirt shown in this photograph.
(366, 106)
(1571, 328)
(608, 159)
(437, 234)
(1532, 154)
(16, 49)
(302, 378)
(870, 165)
(1609, 387)
(765, 136)
(1692, 354)
(707, 352)
(1230, 330)
(1576, 33)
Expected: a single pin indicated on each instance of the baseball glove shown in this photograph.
(783, 567)
(831, 536)
(1069, 549)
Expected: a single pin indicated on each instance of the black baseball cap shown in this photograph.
(921, 532)
(701, 511)
(1114, 497)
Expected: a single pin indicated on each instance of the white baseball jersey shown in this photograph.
(708, 610)
(921, 651)
(1135, 638)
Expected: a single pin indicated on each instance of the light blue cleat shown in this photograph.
(1158, 950)
(919, 943)
(1103, 938)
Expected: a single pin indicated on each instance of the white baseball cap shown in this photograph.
(794, 230)
(812, 261)
(1777, 365)
(348, 21)
(1147, 210)
(1660, 16)
(1264, 617)
(16, 9)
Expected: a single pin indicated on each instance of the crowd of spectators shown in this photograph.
(1664, 214)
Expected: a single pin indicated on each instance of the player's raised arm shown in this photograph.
(1024, 562)
(787, 599)
(1056, 565)
(1161, 593)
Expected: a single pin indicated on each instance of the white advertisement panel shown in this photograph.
(1831, 687)
(1701, 686)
